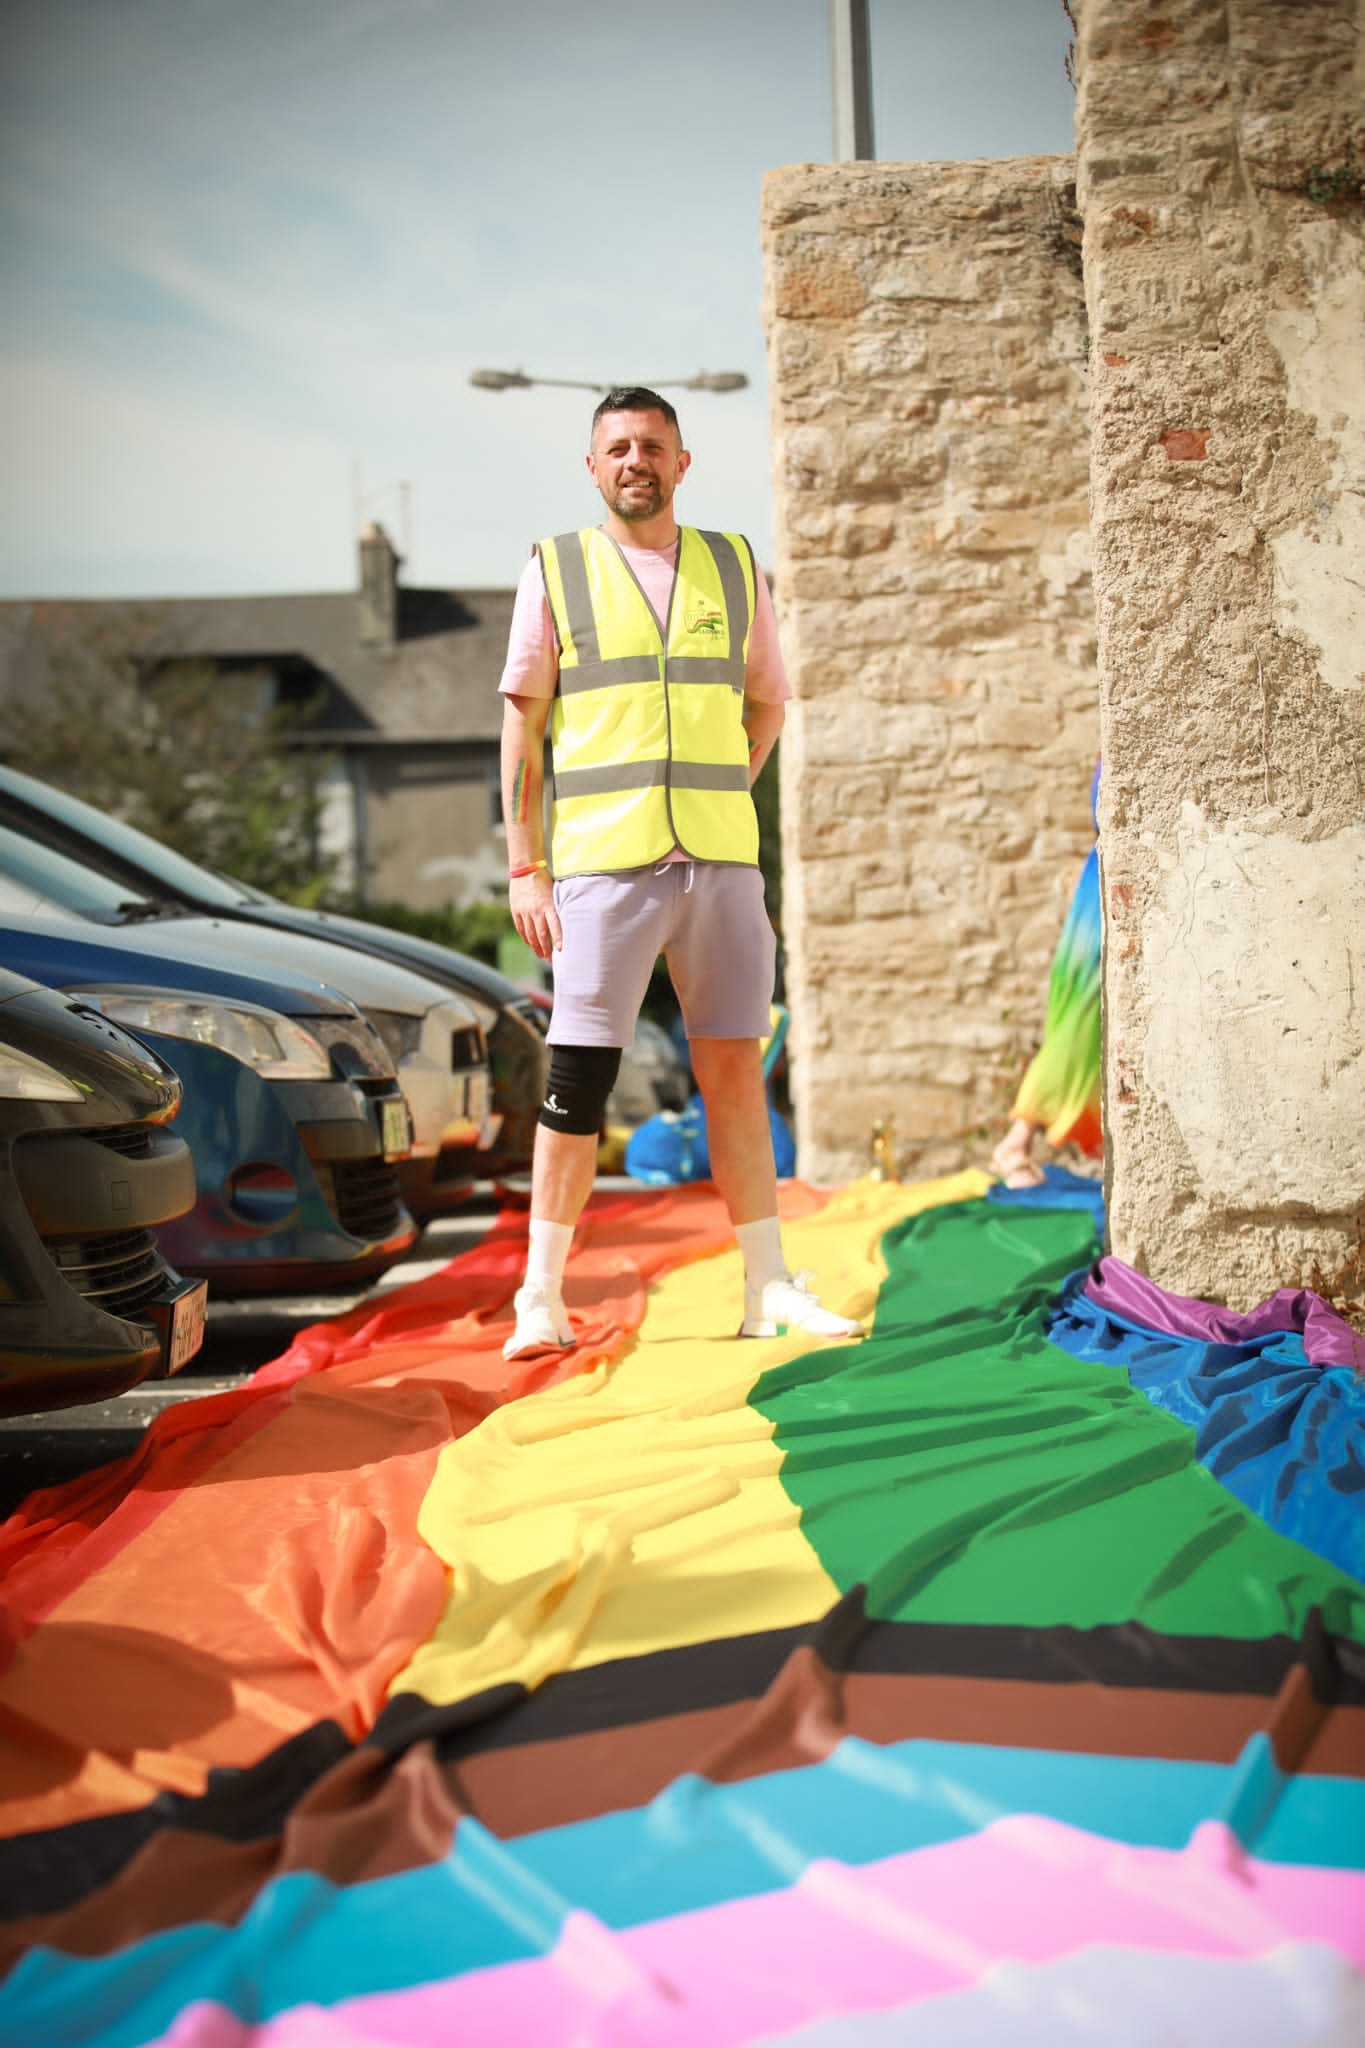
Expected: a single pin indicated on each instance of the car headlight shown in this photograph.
(26, 1079)
(277, 1047)
(401, 1034)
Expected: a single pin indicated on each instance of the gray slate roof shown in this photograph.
(438, 681)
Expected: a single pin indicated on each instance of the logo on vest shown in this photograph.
(708, 621)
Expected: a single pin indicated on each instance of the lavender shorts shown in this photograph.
(707, 920)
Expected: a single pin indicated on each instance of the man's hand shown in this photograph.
(530, 898)
(762, 724)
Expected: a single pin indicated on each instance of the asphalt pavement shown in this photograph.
(242, 1336)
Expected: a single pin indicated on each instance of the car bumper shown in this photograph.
(297, 1181)
(76, 1185)
(435, 1182)
(69, 1351)
(449, 1108)
(88, 1304)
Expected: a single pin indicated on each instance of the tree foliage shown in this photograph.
(476, 928)
(194, 756)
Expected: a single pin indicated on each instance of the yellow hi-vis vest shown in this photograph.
(646, 730)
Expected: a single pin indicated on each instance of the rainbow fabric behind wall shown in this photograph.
(987, 1680)
(1061, 1088)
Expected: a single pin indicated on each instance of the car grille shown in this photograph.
(134, 1141)
(467, 1048)
(356, 1047)
(118, 1271)
(365, 1198)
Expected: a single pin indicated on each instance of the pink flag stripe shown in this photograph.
(844, 1939)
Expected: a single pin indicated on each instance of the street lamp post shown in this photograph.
(517, 380)
(850, 67)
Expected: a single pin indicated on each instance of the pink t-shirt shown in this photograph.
(532, 666)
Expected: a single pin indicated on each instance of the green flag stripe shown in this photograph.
(966, 1470)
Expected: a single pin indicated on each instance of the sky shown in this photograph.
(250, 251)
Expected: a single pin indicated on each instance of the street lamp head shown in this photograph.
(517, 380)
(717, 380)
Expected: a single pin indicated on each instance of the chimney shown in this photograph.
(379, 564)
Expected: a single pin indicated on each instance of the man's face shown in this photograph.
(637, 462)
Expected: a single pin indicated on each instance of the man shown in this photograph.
(651, 652)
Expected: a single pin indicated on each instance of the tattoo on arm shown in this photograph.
(520, 793)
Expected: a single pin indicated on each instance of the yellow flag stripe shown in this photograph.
(641, 1507)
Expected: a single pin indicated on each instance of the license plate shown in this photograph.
(394, 1134)
(188, 1315)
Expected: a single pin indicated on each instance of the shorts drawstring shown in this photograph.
(691, 866)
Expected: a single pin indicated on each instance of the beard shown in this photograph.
(643, 502)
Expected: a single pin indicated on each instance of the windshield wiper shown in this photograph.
(139, 910)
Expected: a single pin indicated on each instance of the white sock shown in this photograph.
(761, 1246)
(548, 1253)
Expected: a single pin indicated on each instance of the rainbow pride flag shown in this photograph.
(998, 1678)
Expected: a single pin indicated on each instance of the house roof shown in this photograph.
(437, 680)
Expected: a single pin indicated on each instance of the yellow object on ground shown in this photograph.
(640, 1507)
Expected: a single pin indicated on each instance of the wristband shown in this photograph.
(515, 874)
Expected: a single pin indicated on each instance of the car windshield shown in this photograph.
(35, 877)
(165, 871)
(18, 901)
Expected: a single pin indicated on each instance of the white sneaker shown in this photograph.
(542, 1324)
(787, 1305)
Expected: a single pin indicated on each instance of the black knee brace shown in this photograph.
(581, 1079)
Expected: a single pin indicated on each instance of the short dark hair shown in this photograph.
(634, 398)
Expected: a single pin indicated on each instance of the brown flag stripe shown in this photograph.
(591, 1742)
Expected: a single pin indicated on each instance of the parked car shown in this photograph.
(292, 1110)
(661, 1070)
(514, 1026)
(435, 1038)
(652, 1076)
(90, 1169)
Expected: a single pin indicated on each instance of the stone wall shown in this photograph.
(1219, 174)
(927, 353)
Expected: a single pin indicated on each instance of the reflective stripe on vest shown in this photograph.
(647, 731)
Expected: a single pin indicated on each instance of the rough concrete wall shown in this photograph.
(930, 442)
(1223, 244)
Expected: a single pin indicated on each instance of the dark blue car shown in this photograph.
(292, 1109)
(514, 1023)
(433, 1036)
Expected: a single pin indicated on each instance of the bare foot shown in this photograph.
(1024, 1174)
(1011, 1162)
